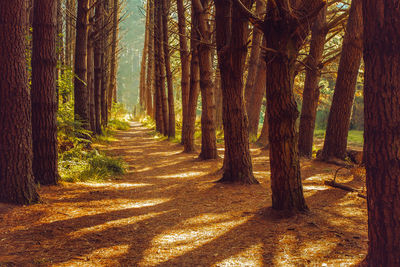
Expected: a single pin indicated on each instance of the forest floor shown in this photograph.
(167, 211)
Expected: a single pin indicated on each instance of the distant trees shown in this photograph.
(16, 175)
(382, 133)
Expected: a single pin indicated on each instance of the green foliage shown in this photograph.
(79, 165)
(354, 137)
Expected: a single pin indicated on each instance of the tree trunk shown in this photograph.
(81, 108)
(150, 62)
(142, 85)
(311, 85)
(208, 137)
(194, 90)
(252, 76)
(339, 116)
(171, 102)
(16, 176)
(98, 70)
(231, 32)
(382, 134)
(104, 44)
(185, 64)
(284, 35)
(43, 93)
(114, 45)
(160, 62)
(264, 139)
(218, 100)
(257, 97)
(90, 85)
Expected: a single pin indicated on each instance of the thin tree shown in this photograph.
(43, 93)
(311, 85)
(185, 64)
(16, 175)
(150, 108)
(170, 88)
(339, 115)
(382, 132)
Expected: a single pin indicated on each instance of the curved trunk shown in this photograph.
(232, 35)
(311, 86)
(44, 103)
(339, 116)
(16, 176)
(382, 134)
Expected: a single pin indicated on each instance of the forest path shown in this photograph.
(167, 211)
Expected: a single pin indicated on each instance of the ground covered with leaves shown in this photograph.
(167, 211)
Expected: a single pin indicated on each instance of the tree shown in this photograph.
(339, 116)
(114, 45)
(253, 111)
(194, 89)
(185, 64)
(232, 33)
(44, 103)
(98, 67)
(285, 27)
(16, 175)
(171, 103)
(311, 85)
(81, 95)
(208, 137)
(382, 133)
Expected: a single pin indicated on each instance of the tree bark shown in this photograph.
(98, 70)
(264, 139)
(81, 108)
(142, 85)
(257, 97)
(382, 133)
(43, 94)
(311, 85)
(150, 107)
(185, 64)
(171, 102)
(208, 137)
(231, 30)
(16, 176)
(339, 116)
(194, 90)
(114, 45)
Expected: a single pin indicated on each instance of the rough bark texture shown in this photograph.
(218, 100)
(90, 73)
(311, 85)
(142, 82)
(339, 116)
(43, 95)
(81, 107)
(98, 68)
(185, 63)
(114, 45)
(231, 30)
(189, 127)
(208, 137)
(150, 107)
(256, 99)
(168, 72)
(253, 74)
(382, 134)
(16, 176)
(285, 32)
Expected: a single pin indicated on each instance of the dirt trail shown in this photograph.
(167, 211)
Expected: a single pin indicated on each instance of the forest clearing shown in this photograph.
(168, 211)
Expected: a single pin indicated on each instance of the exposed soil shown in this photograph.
(167, 211)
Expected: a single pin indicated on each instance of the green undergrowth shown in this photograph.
(354, 137)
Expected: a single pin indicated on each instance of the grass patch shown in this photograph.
(355, 136)
(80, 165)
